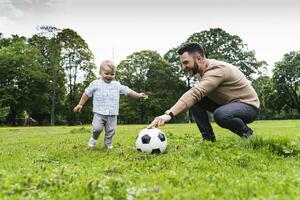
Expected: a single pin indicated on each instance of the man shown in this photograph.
(222, 90)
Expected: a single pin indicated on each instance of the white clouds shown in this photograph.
(28, 1)
(10, 10)
(15, 11)
(53, 3)
(5, 23)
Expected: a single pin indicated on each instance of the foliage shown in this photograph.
(54, 163)
(4, 111)
(63, 57)
(264, 88)
(47, 43)
(23, 82)
(286, 78)
(78, 63)
(46, 74)
(147, 72)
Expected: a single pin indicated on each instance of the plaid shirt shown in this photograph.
(106, 96)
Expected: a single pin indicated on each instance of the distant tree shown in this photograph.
(146, 71)
(4, 42)
(78, 63)
(173, 58)
(265, 90)
(286, 78)
(47, 42)
(23, 81)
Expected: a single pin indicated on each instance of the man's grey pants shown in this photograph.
(109, 122)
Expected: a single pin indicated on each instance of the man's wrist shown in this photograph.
(168, 112)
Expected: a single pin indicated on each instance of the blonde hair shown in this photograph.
(109, 64)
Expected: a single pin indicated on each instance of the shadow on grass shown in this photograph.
(277, 146)
(80, 130)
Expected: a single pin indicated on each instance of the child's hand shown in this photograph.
(77, 108)
(143, 96)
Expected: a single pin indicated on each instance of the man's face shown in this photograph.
(188, 63)
(107, 74)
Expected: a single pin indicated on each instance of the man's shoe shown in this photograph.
(210, 140)
(208, 137)
(245, 132)
(92, 142)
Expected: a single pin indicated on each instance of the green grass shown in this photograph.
(54, 163)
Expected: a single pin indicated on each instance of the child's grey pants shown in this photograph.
(109, 122)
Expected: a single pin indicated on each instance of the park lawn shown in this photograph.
(55, 163)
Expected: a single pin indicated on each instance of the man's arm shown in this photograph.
(208, 83)
(177, 108)
(82, 101)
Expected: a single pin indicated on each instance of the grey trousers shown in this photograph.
(233, 116)
(109, 122)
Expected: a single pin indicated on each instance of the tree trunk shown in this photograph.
(52, 120)
(190, 116)
(12, 117)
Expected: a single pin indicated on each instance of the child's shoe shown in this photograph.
(92, 142)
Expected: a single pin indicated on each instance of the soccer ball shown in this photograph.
(151, 140)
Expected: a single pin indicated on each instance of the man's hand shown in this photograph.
(160, 121)
(77, 108)
(143, 96)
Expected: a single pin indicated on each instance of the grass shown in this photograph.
(54, 163)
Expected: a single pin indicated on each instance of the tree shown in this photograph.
(286, 78)
(23, 82)
(146, 71)
(264, 88)
(78, 63)
(47, 42)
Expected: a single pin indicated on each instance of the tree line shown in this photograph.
(44, 76)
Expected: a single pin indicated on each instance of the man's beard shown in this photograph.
(195, 68)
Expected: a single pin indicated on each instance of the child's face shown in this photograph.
(107, 74)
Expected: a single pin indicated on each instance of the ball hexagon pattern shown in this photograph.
(151, 140)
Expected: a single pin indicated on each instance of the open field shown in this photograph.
(55, 163)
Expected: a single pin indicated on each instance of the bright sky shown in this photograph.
(115, 29)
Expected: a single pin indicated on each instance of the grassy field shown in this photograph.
(55, 163)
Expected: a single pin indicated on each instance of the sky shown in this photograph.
(114, 29)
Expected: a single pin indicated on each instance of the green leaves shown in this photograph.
(286, 79)
(24, 81)
(78, 63)
(147, 72)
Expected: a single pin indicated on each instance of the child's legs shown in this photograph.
(98, 124)
(110, 129)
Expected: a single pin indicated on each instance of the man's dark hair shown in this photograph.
(191, 47)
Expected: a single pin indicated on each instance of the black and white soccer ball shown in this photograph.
(151, 140)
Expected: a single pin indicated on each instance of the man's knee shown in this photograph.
(221, 117)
